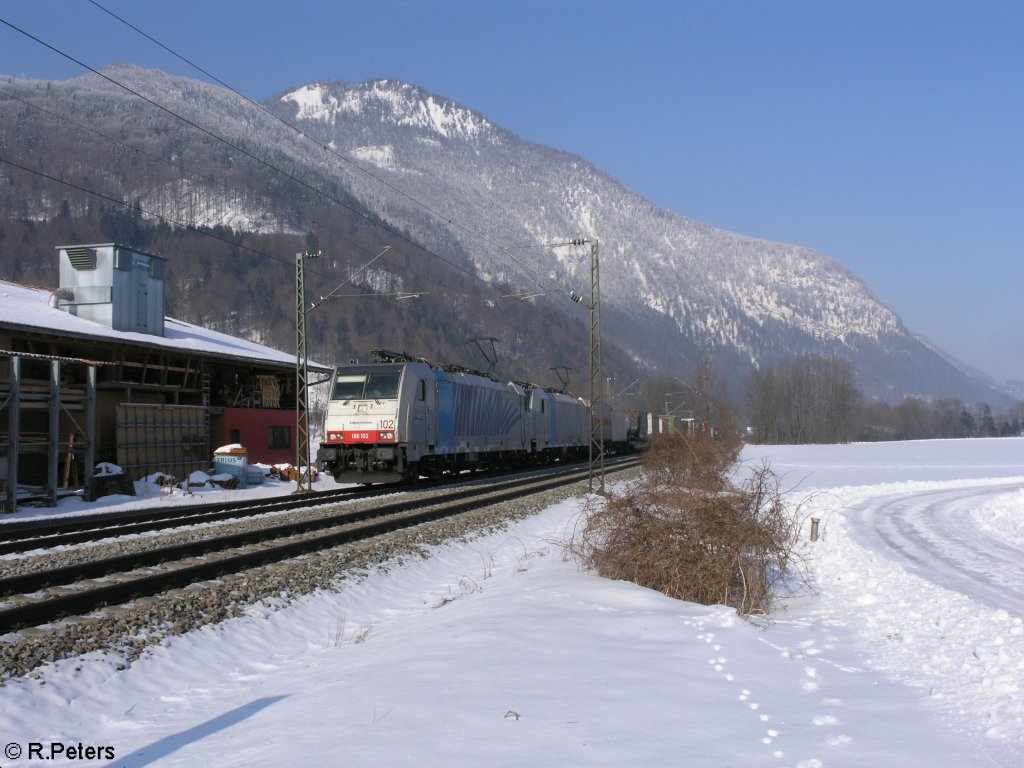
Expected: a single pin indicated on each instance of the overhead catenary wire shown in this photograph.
(348, 161)
(327, 148)
(178, 166)
(140, 209)
(64, 118)
(270, 166)
(191, 227)
(360, 213)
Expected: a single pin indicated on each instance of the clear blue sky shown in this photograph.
(889, 135)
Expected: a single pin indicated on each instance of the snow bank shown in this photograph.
(500, 652)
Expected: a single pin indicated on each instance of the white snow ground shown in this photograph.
(500, 652)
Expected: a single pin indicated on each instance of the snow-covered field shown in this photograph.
(500, 652)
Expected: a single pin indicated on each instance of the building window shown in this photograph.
(235, 436)
(280, 437)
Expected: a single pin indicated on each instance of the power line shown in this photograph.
(64, 118)
(197, 230)
(362, 214)
(225, 141)
(439, 214)
(180, 167)
(299, 130)
(140, 209)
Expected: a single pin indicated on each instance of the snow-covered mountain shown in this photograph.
(673, 290)
(676, 288)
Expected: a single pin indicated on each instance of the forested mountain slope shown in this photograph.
(386, 163)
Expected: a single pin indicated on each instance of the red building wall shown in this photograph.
(255, 428)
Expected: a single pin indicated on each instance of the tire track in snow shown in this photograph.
(933, 535)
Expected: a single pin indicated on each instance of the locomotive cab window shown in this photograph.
(348, 387)
(374, 386)
(382, 386)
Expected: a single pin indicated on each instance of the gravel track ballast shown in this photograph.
(128, 630)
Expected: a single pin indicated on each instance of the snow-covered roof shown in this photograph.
(25, 308)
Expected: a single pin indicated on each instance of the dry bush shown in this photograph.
(689, 533)
(685, 460)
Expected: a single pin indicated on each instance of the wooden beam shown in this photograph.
(13, 431)
(53, 437)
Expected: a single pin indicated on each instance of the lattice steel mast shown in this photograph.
(302, 472)
(596, 373)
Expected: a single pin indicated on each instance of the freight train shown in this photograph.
(403, 417)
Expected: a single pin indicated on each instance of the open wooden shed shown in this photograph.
(85, 380)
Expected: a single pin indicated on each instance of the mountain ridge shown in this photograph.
(674, 290)
(786, 286)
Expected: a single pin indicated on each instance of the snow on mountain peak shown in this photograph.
(401, 103)
(315, 102)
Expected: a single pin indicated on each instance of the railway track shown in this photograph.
(40, 597)
(44, 534)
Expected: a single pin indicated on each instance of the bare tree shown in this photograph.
(806, 399)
